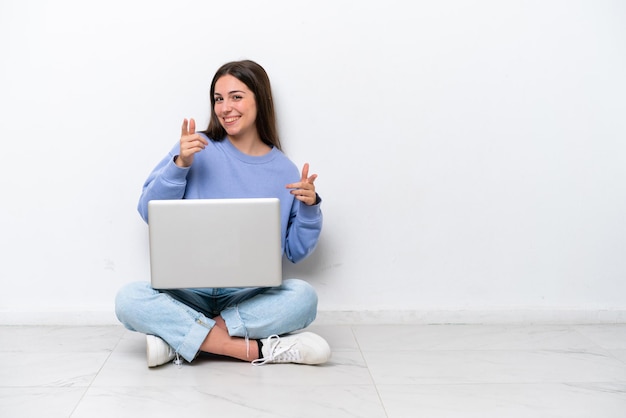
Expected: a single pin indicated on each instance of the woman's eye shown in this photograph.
(237, 97)
(218, 99)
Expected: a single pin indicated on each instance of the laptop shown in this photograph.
(196, 243)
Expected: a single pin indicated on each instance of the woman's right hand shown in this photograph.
(190, 143)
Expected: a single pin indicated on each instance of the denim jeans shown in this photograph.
(182, 317)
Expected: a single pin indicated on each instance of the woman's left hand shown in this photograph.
(304, 190)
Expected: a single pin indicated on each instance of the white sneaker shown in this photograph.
(302, 348)
(158, 351)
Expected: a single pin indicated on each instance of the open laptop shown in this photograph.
(215, 243)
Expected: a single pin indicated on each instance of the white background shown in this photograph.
(471, 155)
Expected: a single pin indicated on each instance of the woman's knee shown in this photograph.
(128, 299)
(304, 298)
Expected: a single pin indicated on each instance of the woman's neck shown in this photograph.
(250, 145)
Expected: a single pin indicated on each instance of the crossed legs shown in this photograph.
(186, 321)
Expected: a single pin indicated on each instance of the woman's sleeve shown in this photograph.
(167, 181)
(303, 231)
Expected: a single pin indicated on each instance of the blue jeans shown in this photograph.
(182, 317)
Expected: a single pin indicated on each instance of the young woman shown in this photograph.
(238, 155)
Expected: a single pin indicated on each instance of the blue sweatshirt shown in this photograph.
(222, 171)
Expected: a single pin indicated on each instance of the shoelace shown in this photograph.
(278, 354)
(178, 361)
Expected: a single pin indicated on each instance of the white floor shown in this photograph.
(376, 371)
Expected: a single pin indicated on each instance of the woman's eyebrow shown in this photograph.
(231, 92)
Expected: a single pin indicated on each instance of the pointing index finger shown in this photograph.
(183, 129)
(305, 172)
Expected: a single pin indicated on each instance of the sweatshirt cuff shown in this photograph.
(312, 212)
(175, 174)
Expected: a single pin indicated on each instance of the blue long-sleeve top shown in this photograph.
(222, 171)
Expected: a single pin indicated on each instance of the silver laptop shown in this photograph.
(215, 243)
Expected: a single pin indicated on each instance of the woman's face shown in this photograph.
(235, 107)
